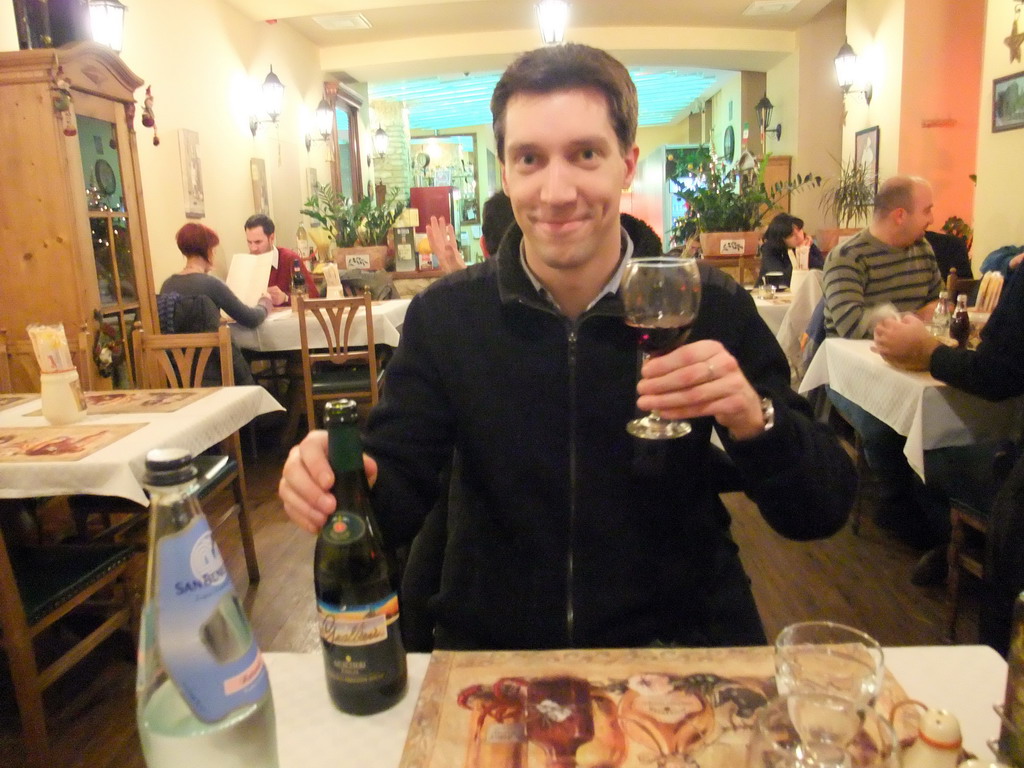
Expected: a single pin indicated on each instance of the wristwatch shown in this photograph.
(768, 412)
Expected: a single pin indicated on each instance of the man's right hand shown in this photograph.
(905, 342)
(277, 296)
(307, 479)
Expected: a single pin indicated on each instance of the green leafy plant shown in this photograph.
(378, 219)
(353, 223)
(720, 198)
(850, 196)
(957, 227)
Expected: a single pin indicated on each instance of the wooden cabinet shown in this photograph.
(73, 236)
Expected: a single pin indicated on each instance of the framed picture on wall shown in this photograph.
(260, 194)
(191, 174)
(865, 152)
(1008, 103)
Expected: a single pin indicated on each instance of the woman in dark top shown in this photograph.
(785, 232)
(196, 243)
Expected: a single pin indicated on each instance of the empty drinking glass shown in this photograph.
(824, 657)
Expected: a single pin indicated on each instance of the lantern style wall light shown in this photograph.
(763, 109)
(849, 70)
(272, 98)
(323, 120)
(381, 141)
(106, 20)
(553, 15)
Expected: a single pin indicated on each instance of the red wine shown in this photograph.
(658, 339)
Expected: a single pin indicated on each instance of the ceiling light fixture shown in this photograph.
(849, 69)
(106, 20)
(272, 93)
(553, 15)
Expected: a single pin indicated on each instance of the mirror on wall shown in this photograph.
(449, 160)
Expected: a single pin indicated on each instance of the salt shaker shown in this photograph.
(937, 744)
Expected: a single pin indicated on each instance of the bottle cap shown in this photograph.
(344, 411)
(169, 466)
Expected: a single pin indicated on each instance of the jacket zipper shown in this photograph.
(569, 618)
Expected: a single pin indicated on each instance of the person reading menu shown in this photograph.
(520, 373)
(260, 237)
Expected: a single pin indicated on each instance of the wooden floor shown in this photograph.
(861, 580)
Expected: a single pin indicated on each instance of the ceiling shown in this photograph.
(448, 53)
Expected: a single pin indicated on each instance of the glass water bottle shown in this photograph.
(203, 692)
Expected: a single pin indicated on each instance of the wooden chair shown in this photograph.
(18, 368)
(968, 528)
(179, 361)
(957, 285)
(39, 586)
(339, 370)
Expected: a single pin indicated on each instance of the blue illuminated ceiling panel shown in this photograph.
(441, 103)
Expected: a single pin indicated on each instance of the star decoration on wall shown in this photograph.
(1016, 39)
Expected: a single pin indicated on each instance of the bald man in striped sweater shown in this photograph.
(889, 263)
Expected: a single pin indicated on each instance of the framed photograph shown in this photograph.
(312, 185)
(260, 195)
(865, 152)
(1008, 103)
(191, 174)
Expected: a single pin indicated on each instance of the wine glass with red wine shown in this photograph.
(661, 296)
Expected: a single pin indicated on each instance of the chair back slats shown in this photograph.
(336, 319)
(181, 360)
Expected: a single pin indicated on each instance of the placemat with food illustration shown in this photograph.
(630, 708)
(67, 443)
(139, 400)
(9, 401)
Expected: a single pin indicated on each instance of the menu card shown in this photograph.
(248, 276)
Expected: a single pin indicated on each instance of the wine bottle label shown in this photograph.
(343, 528)
(205, 643)
(355, 625)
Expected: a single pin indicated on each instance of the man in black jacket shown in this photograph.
(562, 530)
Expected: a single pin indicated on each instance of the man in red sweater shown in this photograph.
(259, 235)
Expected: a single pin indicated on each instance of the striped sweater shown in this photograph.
(864, 272)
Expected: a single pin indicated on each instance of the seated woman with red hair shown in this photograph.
(197, 243)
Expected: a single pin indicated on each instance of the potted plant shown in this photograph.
(848, 200)
(728, 202)
(957, 227)
(359, 229)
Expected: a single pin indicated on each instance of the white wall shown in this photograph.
(998, 214)
(209, 90)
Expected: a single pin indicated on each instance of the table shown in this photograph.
(117, 469)
(280, 331)
(773, 311)
(966, 680)
(929, 413)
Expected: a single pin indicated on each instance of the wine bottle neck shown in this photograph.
(343, 449)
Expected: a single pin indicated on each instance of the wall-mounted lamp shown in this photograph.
(381, 141)
(106, 19)
(848, 68)
(272, 98)
(323, 120)
(763, 109)
(553, 15)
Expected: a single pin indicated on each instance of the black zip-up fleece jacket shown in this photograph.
(563, 530)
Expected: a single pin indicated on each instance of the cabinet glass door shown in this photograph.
(109, 221)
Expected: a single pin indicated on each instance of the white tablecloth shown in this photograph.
(928, 412)
(773, 311)
(117, 469)
(311, 733)
(806, 289)
(280, 331)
